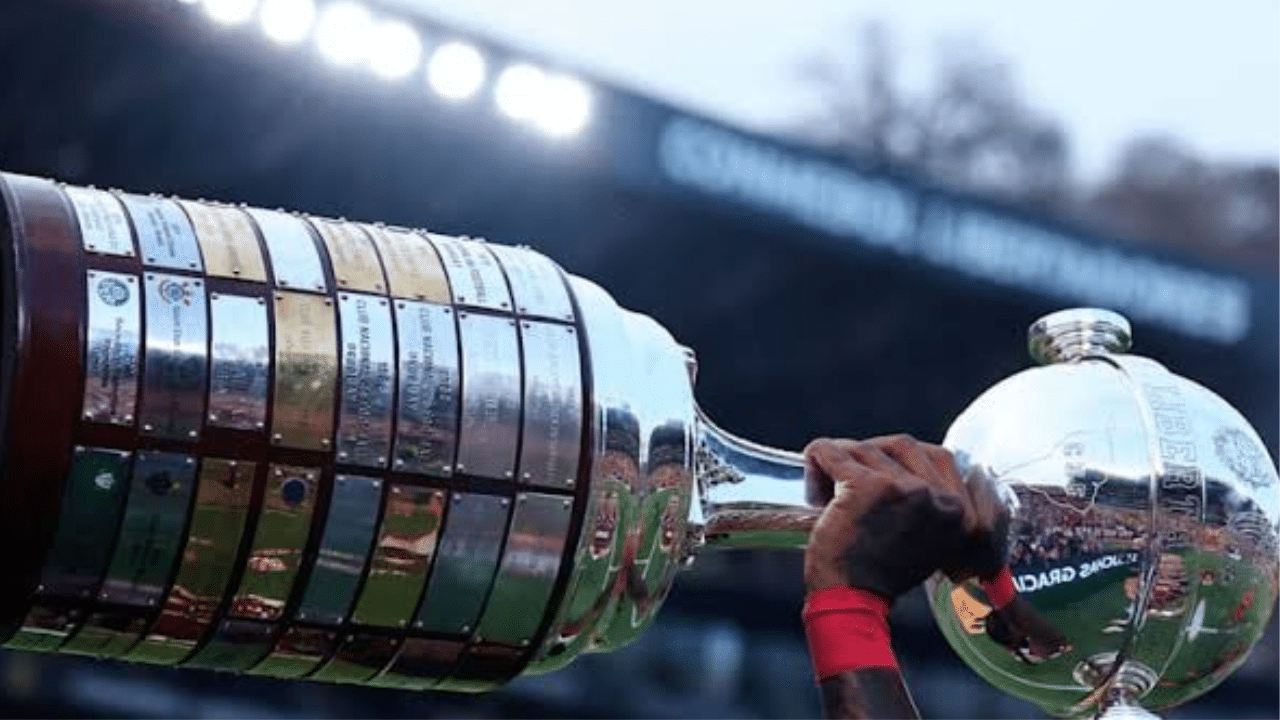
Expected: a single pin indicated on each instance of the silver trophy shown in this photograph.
(263, 442)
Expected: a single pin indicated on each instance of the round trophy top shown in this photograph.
(1143, 523)
(1078, 332)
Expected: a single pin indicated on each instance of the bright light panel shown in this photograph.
(287, 22)
(456, 71)
(345, 33)
(230, 12)
(565, 107)
(518, 91)
(396, 50)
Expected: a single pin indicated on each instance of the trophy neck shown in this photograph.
(752, 495)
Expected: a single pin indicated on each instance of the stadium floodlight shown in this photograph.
(287, 22)
(565, 106)
(518, 91)
(395, 51)
(456, 70)
(230, 12)
(345, 33)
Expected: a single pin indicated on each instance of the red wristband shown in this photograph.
(847, 629)
(1000, 589)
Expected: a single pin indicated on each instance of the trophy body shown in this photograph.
(263, 442)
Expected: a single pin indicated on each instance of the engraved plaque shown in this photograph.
(430, 389)
(113, 337)
(355, 262)
(174, 357)
(401, 557)
(296, 653)
(88, 522)
(420, 664)
(295, 261)
(490, 396)
(530, 563)
(238, 368)
(358, 656)
(344, 548)
(236, 646)
(103, 225)
(368, 379)
(223, 493)
(284, 525)
(107, 634)
(473, 272)
(536, 285)
(227, 240)
(413, 268)
(306, 371)
(465, 563)
(151, 532)
(165, 236)
(551, 440)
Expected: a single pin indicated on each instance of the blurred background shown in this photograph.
(852, 213)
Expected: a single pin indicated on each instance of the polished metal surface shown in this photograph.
(430, 391)
(530, 563)
(368, 380)
(113, 347)
(223, 492)
(344, 550)
(284, 526)
(240, 359)
(295, 260)
(551, 436)
(165, 236)
(228, 241)
(474, 273)
(355, 262)
(490, 427)
(103, 226)
(537, 287)
(175, 357)
(151, 531)
(413, 268)
(466, 561)
(88, 524)
(1145, 514)
(306, 371)
(298, 651)
(402, 555)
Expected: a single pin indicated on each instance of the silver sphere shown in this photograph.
(1144, 521)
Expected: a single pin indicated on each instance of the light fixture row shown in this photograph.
(349, 35)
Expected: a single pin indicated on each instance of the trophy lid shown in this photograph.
(1076, 333)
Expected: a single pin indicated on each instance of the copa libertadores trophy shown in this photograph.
(263, 442)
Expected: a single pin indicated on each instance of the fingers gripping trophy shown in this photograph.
(264, 442)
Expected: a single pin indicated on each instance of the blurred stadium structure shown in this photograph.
(822, 298)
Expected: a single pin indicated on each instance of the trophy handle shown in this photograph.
(750, 495)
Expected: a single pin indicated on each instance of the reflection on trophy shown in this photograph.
(262, 442)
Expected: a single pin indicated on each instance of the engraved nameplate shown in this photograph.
(413, 268)
(473, 272)
(165, 236)
(401, 557)
(113, 340)
(306, 371)
(368, 379)
(88, 522)
(427, 418)
(151, 532)
(278, 543)
(552, 405)
(355, 262)
(103, 225)
(295, 261)
(536, 285)
(466, 559)
(344, 547)
(175, 357)
(527, 573)
(227, 240)
(238, 367)
(490, 396)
